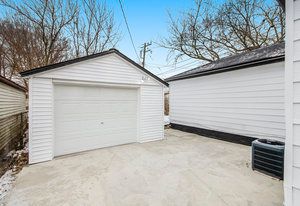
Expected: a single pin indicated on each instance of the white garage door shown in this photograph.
(93, 117)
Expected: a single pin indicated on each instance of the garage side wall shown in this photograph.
(151, 115)
(40, 120)
(248, 102)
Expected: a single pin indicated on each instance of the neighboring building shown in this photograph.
(237, 98)
(13, 115)
(292, 106)
(91, 102)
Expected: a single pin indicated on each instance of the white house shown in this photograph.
(237, 98)
(91, 102)
(292, 106)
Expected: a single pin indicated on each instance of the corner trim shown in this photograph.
(234, 138)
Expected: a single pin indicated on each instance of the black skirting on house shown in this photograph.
(239, 139)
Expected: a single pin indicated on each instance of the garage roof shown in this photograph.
(88, 57)
(261, 56)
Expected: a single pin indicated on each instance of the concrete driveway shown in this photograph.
(185, 169)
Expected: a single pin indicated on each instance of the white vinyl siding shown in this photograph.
(247, 102)
(292, 149)
(12, 101)
(108, 71)
(151, 119)
(12, 105)
(40, 120)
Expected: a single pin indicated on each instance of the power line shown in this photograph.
(171, 65)
(189, 64)
(131, 39)
(180, 68)
(165, 75)
(193, 63)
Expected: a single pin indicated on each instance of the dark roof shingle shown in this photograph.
(259, 56)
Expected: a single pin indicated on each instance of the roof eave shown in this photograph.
(29, 73)
(230, 68)
(12, 84)
(61, 64)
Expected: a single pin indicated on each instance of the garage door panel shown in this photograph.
(111, 135)
(69, 92)
(80, 116)
(93, 117)
(113, 94)
(88, 123)
(72, 146)
(124, 123)
(125, 119)
(125, 106)
(73, 136)
(124, 109)
(86, 147)
(83, 110)
(76, 127)
(85, 127)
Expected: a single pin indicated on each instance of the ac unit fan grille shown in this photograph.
(268, 160)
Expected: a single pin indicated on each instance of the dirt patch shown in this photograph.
(12, 164)
(15, 159)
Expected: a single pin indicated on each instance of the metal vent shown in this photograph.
(268, 157)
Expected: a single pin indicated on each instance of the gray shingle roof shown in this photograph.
(256, 57)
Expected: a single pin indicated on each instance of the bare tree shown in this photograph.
(32, 34)
(40, 32)
(208, 33)
(93, 29)
(49, 19)
(20, 48)
(2, 59)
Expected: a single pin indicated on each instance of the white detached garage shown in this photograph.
(96, 101)
(237, 98)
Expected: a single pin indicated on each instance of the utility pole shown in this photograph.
(144, 50)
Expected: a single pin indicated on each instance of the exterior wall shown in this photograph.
(109, 70)
(151, 117)
(12, 101)
(40, 120)
(247, 102)
(12, 105)
(292, 84)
